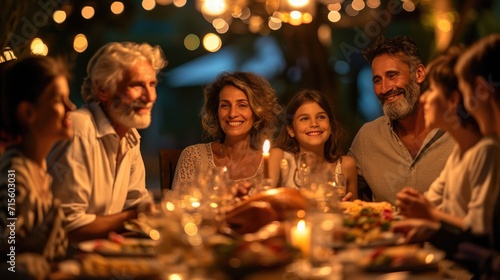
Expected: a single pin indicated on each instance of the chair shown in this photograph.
(168, 162)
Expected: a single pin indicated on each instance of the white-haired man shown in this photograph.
(99, 175)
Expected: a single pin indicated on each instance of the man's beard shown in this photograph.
(406, 106)
(126, 115)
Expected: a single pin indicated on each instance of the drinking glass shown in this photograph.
(301, 173)
(323, 228)
(338, 183)
(320, 191)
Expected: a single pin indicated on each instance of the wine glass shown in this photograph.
(302, 171)
(284, 171)
(338, 183)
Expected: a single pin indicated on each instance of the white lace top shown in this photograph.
(197, 157)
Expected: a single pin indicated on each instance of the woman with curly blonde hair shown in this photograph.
(240, 111)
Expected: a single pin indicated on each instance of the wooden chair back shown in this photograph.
(168, 162)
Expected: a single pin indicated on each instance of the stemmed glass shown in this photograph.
(284, 171)
(338, 183)
(302, 172)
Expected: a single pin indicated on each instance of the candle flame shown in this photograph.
(266, 147)
(301, 225)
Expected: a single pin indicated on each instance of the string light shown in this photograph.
(271, 14)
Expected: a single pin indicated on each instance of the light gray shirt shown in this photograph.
(386, 166)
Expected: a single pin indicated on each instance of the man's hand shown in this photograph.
(416, 230)
(413, 204)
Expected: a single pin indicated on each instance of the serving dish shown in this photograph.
(126, 247)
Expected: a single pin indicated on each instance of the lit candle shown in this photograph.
(265, 157)
(300, 236)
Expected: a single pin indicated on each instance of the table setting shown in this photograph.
(200, 231)
(299, 242)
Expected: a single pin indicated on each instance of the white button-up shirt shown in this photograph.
(96, 172)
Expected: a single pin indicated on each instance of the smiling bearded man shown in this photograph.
(404, 107)
(397, 150)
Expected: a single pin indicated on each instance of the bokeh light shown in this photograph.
(212, 42)
(220, 25)
(192, 42)
(351, 11)
(38, 47)
(88, 12)
(80, 43)
(213, 7)
(325, 35)
(180, 3)
(274, 23)
(334, 16)
(373, 3)
(148, 5)
(59, 16)
(334, 7)
(358, 5)
(117, 7)
(444, 25)
(408, 6)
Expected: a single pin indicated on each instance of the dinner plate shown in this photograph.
(404, 267)
(410, 258)
(126, 248)
(386, 239)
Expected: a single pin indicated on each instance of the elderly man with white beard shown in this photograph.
(396, 150)
(99, 174)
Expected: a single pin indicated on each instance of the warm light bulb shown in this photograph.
(214, 7)
(298, 3)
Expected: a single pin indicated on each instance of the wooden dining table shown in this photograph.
(444, 270)
(175, 265)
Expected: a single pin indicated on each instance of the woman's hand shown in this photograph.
(243, 188)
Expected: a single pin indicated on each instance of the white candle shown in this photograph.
(300, 236)
(265, 157)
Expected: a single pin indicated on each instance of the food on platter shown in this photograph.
(251, 214)
(95, 265)
(120, 247)
(264, 248)
(367, 223)
(356, 205)
(399, 258)
(265, 253)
